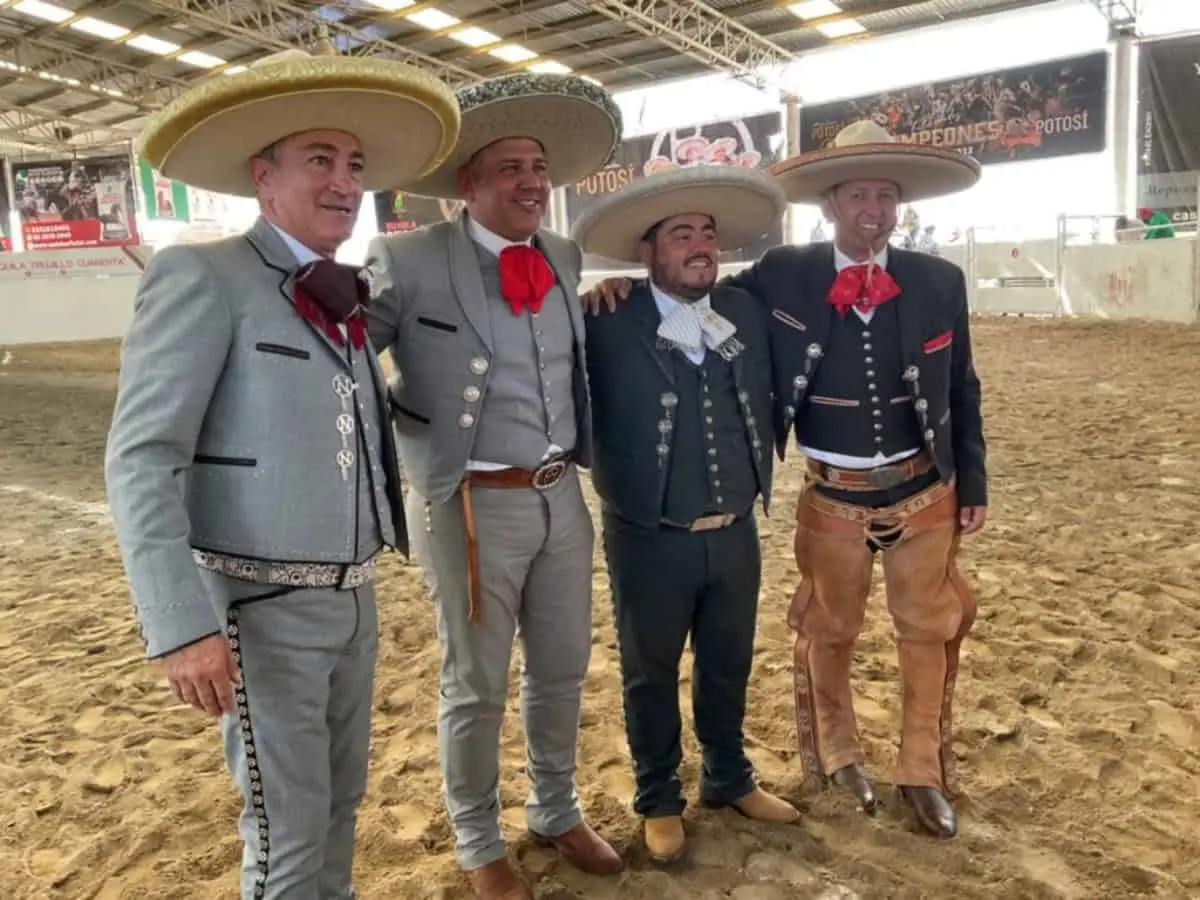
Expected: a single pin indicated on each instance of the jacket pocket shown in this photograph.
(282, 350)
(211, 460)
(436, 324)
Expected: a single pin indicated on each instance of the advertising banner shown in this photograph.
(75, 203)
(752, 142)
(170, 200)
(396, 211)
(1169, 126)
(1036, 111)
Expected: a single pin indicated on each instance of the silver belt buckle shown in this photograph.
(548, 474)
(712, 523)
(886, 477)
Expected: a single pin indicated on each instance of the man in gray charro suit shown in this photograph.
(682, 406)
(250, 468)
(492, 416)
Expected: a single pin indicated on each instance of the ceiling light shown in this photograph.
(843, 28)
(100, 28)
(814, 9)
(234, 70)
(152, 44)
(550, 67)
(513, 53)
(200, 60)
(433, 19)
(392, 5)
(46, 11)
(474, 37)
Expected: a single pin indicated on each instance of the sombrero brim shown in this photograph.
(744, 205)
(922, 173)
(578, 128)
(405, 120)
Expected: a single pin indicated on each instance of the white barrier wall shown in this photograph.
(68, 295)
(78, 295)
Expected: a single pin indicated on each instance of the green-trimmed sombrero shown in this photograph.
(576, 122)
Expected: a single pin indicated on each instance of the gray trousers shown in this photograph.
(297, 746)
(535, 569)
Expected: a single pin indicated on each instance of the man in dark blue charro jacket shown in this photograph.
(682, 417)
(873, 371)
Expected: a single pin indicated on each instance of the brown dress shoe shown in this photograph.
(665, 838)
(855, 779)
(497, 881)
(764, 807)
(932, 810)
(585, 850)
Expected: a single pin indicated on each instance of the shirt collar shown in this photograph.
(666, 303)
(491, 241)
(842, 261)
(303, 254)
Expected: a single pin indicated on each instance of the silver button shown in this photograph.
(714, 468)
(874, 399)
(711, 436)
(871, 386)
(345, 423)
(466, 420)
(878, 426)
(720, 499)
(712, 451)
(867, 347)
(929, 434)
(479, 365)
(866, 334)
(876, 412)
(343, 386)
(471, 393)
(870, 373)
(669, 400)
(869, 360)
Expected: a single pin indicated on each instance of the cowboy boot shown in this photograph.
(497, 881)
(665, 838)
(920, 767)
(855, 778)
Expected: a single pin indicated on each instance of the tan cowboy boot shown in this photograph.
(664, 838)
(497, 881)
(764, 807)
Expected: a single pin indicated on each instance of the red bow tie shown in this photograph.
(525, 278)
(327, 294)
(852, 287)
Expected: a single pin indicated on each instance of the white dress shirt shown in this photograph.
(666, 305)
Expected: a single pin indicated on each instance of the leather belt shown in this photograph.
(340, 576)
(704, 523)
(544, 477)
(880, 478)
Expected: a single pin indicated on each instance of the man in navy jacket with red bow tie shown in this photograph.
(873, 373)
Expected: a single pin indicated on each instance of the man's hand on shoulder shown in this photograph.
(204, 674)
(607, 292)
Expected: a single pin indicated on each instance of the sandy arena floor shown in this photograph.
(1077, 725)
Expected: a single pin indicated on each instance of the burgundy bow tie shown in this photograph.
(863, 288)
(328, 294)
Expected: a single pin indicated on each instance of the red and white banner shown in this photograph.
(75, 203)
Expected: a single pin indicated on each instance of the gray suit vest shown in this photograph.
(374, 521)
(529, 402)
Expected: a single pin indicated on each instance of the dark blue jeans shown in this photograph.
(669, 584)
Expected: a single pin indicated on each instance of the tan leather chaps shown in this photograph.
(932, 609)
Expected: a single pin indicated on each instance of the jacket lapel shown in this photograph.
(276, 255)
(908, 309)
(467, 280)
(648, 318)
(570, 291)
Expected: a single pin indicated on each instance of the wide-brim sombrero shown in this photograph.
(865, 150)
(577, 123)
(744, 204)
(405, 119)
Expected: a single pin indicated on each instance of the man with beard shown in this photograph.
(873, 371)
(681, 406)
(250, 471)
(492, 416)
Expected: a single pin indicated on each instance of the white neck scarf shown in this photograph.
(694, 326)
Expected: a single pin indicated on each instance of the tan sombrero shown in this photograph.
(865, 149)
(577, 123)
(405, 119)
(743, 203)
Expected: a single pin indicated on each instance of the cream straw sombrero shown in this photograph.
(864, 149)
(405, 119)
(577, 123)
(743, 203)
